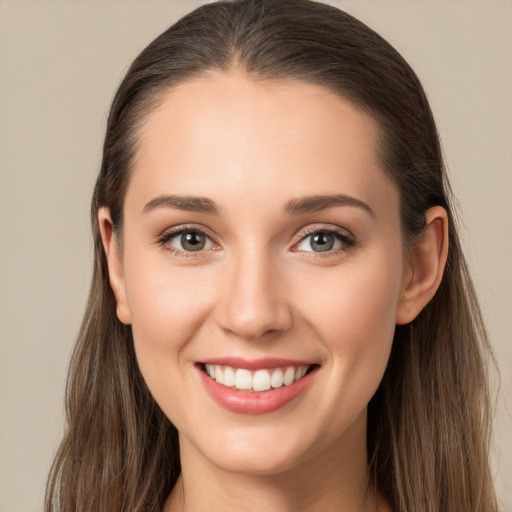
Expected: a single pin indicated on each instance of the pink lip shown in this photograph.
(246, 402)
(255, 364)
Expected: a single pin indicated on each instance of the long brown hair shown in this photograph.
(429, 422)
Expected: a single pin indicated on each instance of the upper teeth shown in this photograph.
(259, 380)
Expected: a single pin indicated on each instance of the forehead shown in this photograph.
(222, 134)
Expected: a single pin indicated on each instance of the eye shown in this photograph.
(190, 240)
(324, 241)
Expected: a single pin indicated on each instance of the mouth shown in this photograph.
(256, 386)
(256, 380)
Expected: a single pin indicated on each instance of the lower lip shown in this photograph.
(259, 402)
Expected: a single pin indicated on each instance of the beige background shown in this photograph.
(60, 62)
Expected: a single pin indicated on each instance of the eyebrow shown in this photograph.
(298, 206)
(323, 202)
(186, 203)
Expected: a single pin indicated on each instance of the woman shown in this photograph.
(280, 316)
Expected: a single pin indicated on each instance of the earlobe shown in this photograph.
(115, 265)
(427, 261)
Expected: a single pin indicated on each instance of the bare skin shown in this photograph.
(237, 166)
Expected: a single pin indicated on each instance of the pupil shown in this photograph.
(192, 241)
(322, 242)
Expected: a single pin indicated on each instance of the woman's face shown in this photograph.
(261, 237)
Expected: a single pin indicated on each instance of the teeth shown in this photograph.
(260, 380)
(289, 376)
(229, 377)
(243, 379)
(277, 378)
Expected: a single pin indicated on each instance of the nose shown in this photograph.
(254, 301)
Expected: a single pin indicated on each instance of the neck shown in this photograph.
(336, 479)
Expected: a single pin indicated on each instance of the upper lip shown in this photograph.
(255, 364)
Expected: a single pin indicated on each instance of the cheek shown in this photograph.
(355, 299)
(167, 301)
(167, 308)
(354, 313)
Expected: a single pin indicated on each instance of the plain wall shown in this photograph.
(60, 62)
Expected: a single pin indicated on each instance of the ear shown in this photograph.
(426, 264)
(115, 265)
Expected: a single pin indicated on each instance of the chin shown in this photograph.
(263, 452)
(262, 464)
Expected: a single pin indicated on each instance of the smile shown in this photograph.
(256, 381)
(257, 386)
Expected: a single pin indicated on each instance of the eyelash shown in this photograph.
(164, 239)
(347, 241)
